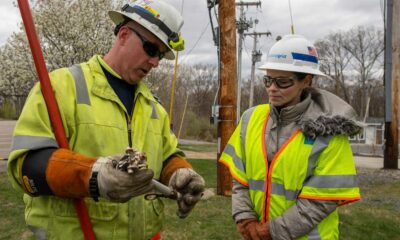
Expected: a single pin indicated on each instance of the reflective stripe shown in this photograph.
(332, 181)
(319, 146)
(82, 95)
(243, 128)
(230, 150)
(257, 185)
(314, 234)
(279, 189)
(154, 111)
(32, 142)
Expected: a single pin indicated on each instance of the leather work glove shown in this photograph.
(263, 231)
(120, 186)
(251, 229)
(190, 187)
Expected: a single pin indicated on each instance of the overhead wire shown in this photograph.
(185, 56)
(182, 2)
(291, 16)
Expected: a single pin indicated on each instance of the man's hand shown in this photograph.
(190, 186)
(120, 186)
(251, 229)
(263, 231)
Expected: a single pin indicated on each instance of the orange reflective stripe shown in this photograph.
(233, 174)
(346, 199)
(264, 149)
(269, 174)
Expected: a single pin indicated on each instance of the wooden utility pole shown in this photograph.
(228, 84)
(392, 84)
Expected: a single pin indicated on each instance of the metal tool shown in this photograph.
(162, 190)
(133, 161)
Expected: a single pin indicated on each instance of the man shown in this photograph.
(291, 160)
(105, 108)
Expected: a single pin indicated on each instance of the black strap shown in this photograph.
(94, 187)
(34, 171)
(172, 36)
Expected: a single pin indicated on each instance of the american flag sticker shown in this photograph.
(312, 51)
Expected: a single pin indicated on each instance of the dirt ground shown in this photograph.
(201, 155)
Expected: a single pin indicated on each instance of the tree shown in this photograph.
(365, 44)
(334, 60)
(69, 32)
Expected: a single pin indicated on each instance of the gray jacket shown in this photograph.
(319, 113)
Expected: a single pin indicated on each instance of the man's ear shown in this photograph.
(122, 35)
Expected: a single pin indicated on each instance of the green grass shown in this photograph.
(377, 216)
(212, 147)
(210, 219)
(12, 224)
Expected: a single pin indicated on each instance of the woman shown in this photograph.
(290, 160)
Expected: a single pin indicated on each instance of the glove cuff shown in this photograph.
(173, 163)
(245, 222)
(68, 173)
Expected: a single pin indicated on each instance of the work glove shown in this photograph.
(251, 229)
(190, 187)
(263, 231)
(120, 186)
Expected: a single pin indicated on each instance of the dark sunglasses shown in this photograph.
(280, 82)
(150, 48)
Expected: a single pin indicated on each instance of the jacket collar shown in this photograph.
(290, 114)
(102, 88)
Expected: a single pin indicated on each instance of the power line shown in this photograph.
(182, 2)
(291, 16)
(184, 57)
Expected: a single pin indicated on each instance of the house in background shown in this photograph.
(370, 140)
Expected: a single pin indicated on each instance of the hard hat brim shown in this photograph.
(291, 68)
(118, 17)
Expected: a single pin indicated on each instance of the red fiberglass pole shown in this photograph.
(52, 106)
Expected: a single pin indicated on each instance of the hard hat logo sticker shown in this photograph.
(278, 56)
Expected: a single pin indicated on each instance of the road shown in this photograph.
(7, 127)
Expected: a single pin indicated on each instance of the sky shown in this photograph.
(313, 19)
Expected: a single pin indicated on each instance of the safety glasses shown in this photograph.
(280, 82)
(150, 48)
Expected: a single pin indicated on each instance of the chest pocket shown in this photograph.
(96, 122)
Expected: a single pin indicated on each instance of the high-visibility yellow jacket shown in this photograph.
(96, 124)
(321, 168)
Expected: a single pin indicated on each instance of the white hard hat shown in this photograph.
(293, 53)
(157, 16)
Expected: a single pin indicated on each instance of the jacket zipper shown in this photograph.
(129, 125)
(129, 122)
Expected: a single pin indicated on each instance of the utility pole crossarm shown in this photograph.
(258, 34)
(246, 4)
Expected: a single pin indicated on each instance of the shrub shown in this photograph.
(7, 110)
(199, 128)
